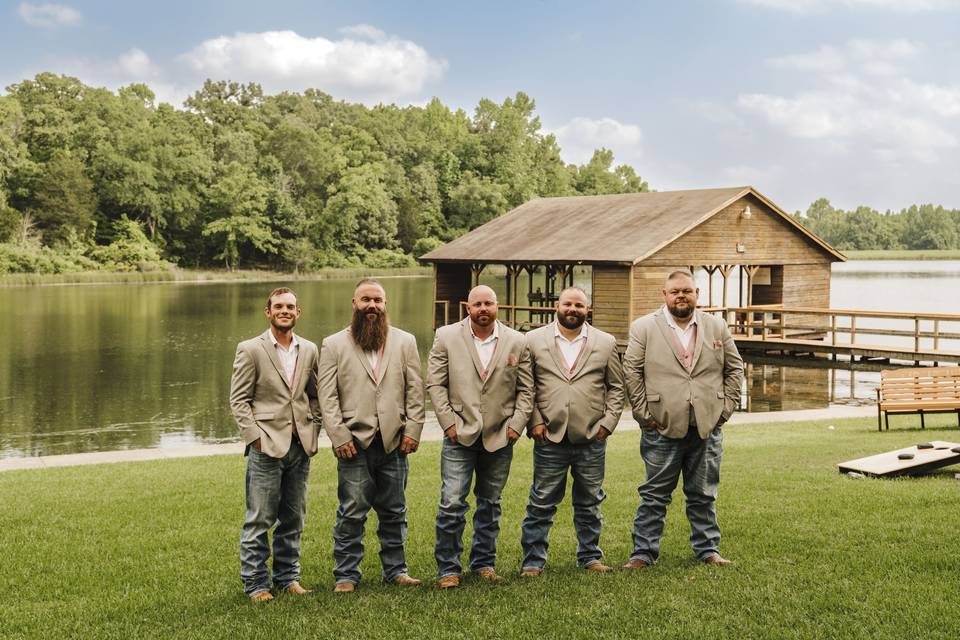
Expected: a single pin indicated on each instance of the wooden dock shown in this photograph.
(890, 335)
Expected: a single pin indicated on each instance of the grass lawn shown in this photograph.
(149, 550)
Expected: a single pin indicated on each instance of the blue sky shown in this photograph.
(857, 101)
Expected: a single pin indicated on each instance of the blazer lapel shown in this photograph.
(557, 356)
(271, 352)
(498, 349)
(666, 331)
(585, 352)
(698, 316)
(358, 352)
(298, 370)
(388, 349)
(467, 336)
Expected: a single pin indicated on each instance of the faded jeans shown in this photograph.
(551, 461)
(458, 464)
(276, 493)
(665, 459)
(371, 478)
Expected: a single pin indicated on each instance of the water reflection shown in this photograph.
(93, 368)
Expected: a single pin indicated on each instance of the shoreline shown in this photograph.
(431, 433)
(219, 276)
(198, 276)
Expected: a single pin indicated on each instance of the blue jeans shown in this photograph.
(665, 459)
(458, 464)
(276, 493)
(551, 461)
(372, 478)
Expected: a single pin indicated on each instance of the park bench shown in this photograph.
(918, 390)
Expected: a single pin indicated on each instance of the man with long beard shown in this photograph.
(683, 376)
(480, 383)
(371, 396)
(273, 396)
(578, 398)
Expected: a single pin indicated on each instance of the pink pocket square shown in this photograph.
(511, 360)
(718, 344)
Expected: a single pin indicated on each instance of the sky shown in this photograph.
(856, 101)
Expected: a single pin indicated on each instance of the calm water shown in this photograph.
(93, 368)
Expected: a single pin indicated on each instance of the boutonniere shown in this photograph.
(511, 360)
(718, 344)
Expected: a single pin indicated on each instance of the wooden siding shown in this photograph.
(807, 285)
(612, 294)
(767, 239)
(771, 293)
(648, 288)
(451, 282)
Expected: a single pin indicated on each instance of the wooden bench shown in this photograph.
(918, 390)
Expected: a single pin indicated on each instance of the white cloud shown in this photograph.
(367, 63)
(364, 31)
(863, 101)
(579, 137)
(49, 16)
(873, 57)
(819, 6)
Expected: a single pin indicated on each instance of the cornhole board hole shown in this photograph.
(889, 465)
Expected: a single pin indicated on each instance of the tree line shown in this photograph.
(96, 179)
(916, 227)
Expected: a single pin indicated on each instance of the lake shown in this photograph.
(104, 367)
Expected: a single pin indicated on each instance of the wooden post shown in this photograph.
(916, 334)
(725, 270)
(751, 272)
(783, 324)
(476, 270)
(833, 329)
(709, 268)
(936, 334)
(509, 285)
(853, 330)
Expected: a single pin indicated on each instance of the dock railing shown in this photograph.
(919, 332)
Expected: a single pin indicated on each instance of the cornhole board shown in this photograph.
(888, 465)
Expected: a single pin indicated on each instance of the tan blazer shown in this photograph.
(265, 406)
(659, 386)
(480, 408)
(356, 405)
(579, 403)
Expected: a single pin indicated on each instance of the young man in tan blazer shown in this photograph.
(480, 383)
(578, 399)
(683, 375)
(371, 395)
(273, 396)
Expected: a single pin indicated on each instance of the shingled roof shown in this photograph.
(618, 229)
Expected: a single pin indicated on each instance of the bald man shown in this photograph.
(481, 386)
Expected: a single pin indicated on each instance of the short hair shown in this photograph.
(575, 288)
(364, 281)
(279, 291)
(680, 272)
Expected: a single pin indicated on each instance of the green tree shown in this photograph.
(64, 203)
(238, 201)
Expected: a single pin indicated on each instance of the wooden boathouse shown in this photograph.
(630, 242)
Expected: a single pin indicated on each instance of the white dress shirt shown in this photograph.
(570, 349)
(373, 357)
(685, 336)
(486, 347)
(288, 357)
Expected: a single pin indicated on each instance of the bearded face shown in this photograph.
(369, 328)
